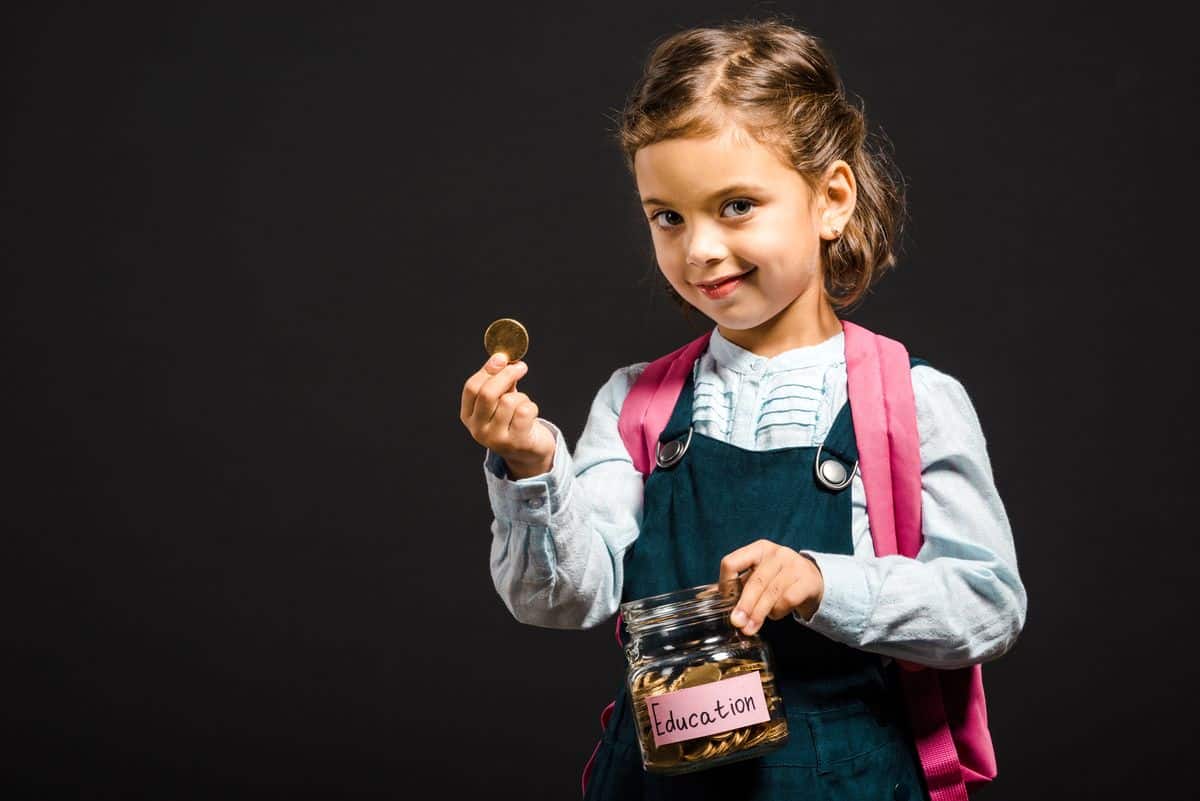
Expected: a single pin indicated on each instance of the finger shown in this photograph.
(520, 427)
(753, 592)
(493, 389)
(499, 426)
(773, 603)
(470, 393)
(757, 598)
(743, 558)
(495, 363)
(794, 594)
(505, 379)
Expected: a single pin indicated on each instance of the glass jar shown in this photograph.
(703, 693)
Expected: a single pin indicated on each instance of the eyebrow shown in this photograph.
(729, 190)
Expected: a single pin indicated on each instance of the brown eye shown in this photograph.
(656, 215)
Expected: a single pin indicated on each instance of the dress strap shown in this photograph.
(839, 441)
(681, 415)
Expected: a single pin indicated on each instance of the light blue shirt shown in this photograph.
(559, 538)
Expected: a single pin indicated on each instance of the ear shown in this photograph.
(838, 194)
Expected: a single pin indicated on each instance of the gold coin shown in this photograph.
(696, 750)
(699, 674)
(644, 689)
(506, 336)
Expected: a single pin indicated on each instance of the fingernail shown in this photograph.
(496, 361)
(738, 618)
(753, 627)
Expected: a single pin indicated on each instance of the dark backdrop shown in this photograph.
(249, 255)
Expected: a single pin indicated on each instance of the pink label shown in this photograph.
(707, 709)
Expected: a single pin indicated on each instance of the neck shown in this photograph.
(800, 324)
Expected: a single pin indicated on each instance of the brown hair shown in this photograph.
(780, 84)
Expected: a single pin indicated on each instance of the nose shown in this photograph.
(705, 247)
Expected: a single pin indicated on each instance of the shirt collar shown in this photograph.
(736, 358)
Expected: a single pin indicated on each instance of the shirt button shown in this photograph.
(755, 365)
(535, 503)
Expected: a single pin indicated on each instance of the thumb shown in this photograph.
(497, 363)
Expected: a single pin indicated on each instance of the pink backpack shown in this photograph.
(946, 707)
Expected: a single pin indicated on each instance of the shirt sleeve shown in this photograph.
(961, 601)
(559, 538)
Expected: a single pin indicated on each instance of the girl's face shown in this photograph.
(727, 205)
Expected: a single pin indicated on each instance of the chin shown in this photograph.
(744, 314)
(748, 320)
(737, 322)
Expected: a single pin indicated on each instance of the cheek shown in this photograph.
(670, 263)
(778, 249)
(675, 279)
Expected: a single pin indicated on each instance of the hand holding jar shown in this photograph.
(782, 581)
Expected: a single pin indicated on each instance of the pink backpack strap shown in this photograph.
(884, 412)
(879, 383)
(648, 406)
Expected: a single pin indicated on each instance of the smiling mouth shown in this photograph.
(719, 281)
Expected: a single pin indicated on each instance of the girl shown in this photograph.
(769, 214)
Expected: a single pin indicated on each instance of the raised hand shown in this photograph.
(504, 420)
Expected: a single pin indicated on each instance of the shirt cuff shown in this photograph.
(533, 499)
(846, 601)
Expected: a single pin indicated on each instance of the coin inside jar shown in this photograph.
(702, 693)
(506, 336)
(715, 747)
(697, 675)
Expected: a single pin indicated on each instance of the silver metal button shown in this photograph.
(666, 454)
(833, 471)
(536, 503)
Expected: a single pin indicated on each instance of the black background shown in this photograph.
(250, 252)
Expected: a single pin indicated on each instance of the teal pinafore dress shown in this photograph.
(848, 736)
